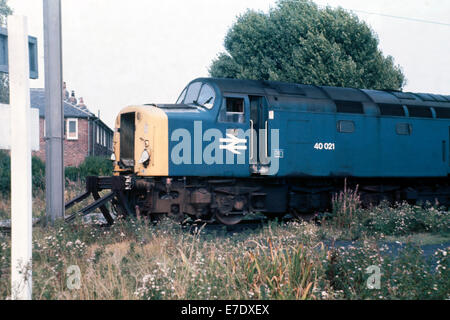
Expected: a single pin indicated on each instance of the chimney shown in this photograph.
(81, 104)
(72, 99)
(65, 92)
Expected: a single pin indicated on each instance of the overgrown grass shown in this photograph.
(352, 221)
(132, 260)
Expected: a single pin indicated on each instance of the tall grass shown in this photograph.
(398, 219)
(133, 260)
(137, 260)
(346, 205)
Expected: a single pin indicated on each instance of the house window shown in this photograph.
(98, 133)
(72, 129)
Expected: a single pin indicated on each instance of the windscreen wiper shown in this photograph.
(202, 105)
(195, 102)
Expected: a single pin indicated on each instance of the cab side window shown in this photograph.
(232, 110)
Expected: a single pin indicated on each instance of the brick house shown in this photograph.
(84, 133)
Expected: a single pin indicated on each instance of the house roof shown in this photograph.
(37, 100)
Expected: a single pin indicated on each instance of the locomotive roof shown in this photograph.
(276, 88)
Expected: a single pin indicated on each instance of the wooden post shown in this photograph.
(21, 201)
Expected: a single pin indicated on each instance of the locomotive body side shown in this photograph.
(314, 139)
(316, 145)
(230, 147)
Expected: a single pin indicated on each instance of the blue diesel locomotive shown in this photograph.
(230, 147)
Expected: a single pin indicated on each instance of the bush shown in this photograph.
(5, 172)
(72, 173)
(92, 166)
(409, 274)
(385, 219)
(403, 219)
(37, 171)
(95, 166)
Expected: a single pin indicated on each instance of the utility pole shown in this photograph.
(54, 112)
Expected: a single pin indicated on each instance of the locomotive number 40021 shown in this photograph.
(325, 146)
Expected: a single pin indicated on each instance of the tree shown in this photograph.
(5, 11)
(298, 42)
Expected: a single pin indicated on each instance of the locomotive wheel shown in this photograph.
(228, 220)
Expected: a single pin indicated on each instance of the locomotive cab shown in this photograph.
(233, 121)
(140, 143)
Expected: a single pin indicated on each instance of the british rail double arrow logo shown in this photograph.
(233, 144)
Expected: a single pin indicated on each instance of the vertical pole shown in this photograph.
(21, 202)
(54, 114)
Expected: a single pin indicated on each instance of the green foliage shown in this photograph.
(298, 42)
(345, 206)
(72, 173)
(5, 172)
(403, 219)
(91, 166)
(407, 274)
(385, 219)
(95, 166)
(5, 11)
(37, 171)
(135, 260)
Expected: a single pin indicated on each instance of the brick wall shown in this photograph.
(75, 151)
(41, 152)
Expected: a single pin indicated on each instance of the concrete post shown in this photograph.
(54, 112)
(21, 183)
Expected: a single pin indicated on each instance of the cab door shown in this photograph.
(233, 122)
(259, 133)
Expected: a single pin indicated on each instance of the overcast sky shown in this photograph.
(119, 52)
